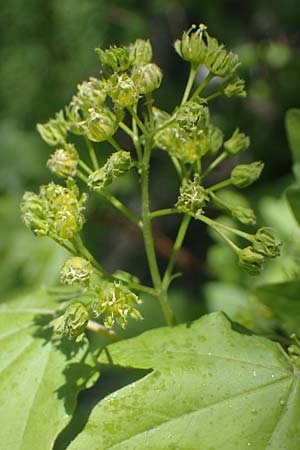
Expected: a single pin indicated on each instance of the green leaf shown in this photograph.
(284, 301)
(293, 198)
(39, 380)
(292, 123)
(211, 388)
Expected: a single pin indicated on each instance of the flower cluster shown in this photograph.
(57, 211)
(115, 302)
(192, 198)
(98, 112)
(197, 47)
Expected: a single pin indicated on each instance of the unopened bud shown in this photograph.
(244, 175)
(122, 91)
(76, 270)
(244, 215)
(251, 261)
(146, 77)
(140, 52)
(101, 124)
(114, 59)
(193, 198)
(265, 242)
(116, 165)
(192, 47)
(34, 211)
(115, 303)
(90, 94)
(64, 161)
(215, 139)
(75, 122)
(219, 61)
(237, 143)
(73, 323)
(192, 114)
(234, 87)
(54, 132)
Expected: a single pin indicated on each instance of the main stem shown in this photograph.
(148, 237)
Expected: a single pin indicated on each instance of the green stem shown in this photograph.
(64, 245)
(202, 85)
(189, 85)
(177, 246)
(120, 207)
(137, 119)
(178, 167)
(92, 153)
(220, 185)
(136, 140)
(85, 167)
(114, 143)
(142, 288)
(83, 251)
(82, 177)
(163, 212)
(127, 130)
(219, 201)
(150, 110)
(148, 237)
(164, 125)
(214, 164)
(214, 95)
(215, 224)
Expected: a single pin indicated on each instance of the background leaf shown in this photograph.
(292, 122)
(39, 379)
(284, 301)
(205, 374)
(293, 198)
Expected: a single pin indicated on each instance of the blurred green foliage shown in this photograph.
(48, 47)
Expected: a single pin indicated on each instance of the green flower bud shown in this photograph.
(193, 198)
(114, 59)
(115, 302)
(64, 161)
(265, 242)
(237, 143)
(101, 124)
(56, 212)
(251, 261)
(220, 62)
(192, 47)
(215, 138)
(244, 175)
(146, 77)
(177, 142)
(76, 270)
(91, 94)
(192, 115)
(34, 211)
(140, 52)
(54, 132)
(73, 323)
(75, 122)
(234, 87)
(66, 209)
(122, 91)
(244, 215)
(117, 164)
